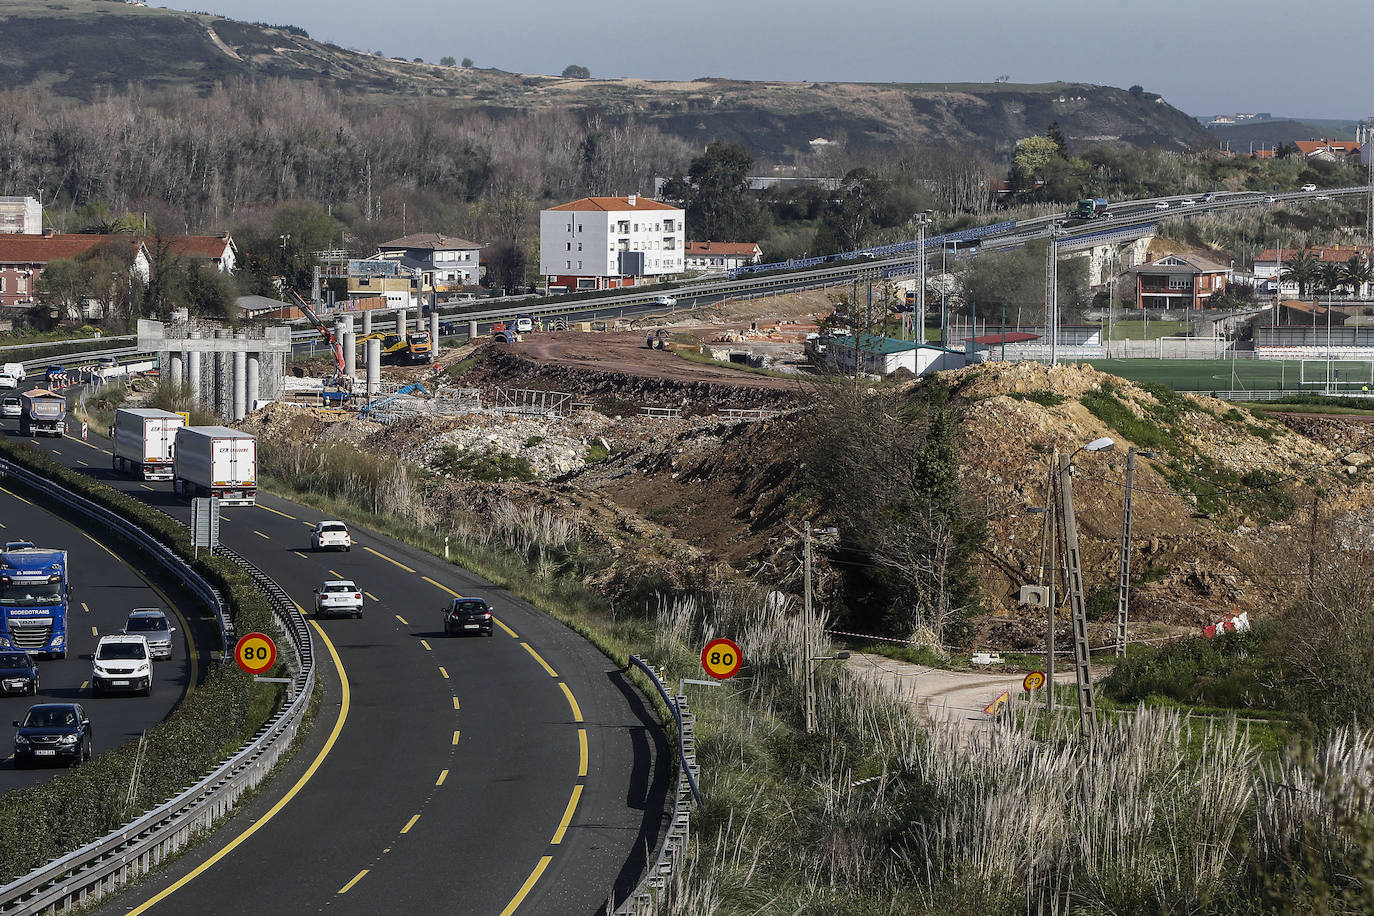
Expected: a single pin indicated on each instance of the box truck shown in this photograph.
(145, 441)
(216, 461)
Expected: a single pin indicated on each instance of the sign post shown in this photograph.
(256, 653)
(722, 658)
(204, 523)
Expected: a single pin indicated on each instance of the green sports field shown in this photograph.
(1241, 374)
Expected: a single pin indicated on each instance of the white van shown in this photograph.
(11, 375)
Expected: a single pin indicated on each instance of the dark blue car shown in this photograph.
(53, 733)
(18, 673)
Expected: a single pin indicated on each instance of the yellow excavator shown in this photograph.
(413, 348)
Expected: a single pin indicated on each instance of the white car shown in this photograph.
(1271, 199)
(1162, 205)
(524, 325)
(1309, 187)
(1187, 202)
(8, 381)
(665, 300)
(122, 663)
(339, 596)
(1322, 197)
(332, 535)
(10, 406)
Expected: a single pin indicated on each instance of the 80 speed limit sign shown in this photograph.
(256, 653)
(721, 658)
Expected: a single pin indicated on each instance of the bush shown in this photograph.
(1234, 671)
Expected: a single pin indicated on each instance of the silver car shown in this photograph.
(152, 625)
(10, 407)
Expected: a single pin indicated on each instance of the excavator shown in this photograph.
(338, 388)
(413, 348)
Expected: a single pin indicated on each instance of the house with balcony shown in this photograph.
(610, 243)
(721, 255)
(441, 263)
(1178, 281)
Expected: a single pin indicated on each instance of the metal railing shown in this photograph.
(645, 899)
(104, 865)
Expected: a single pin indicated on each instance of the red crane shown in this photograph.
(323, 328)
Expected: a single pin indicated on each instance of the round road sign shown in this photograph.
(722, 658)
(1034, 681)
(256, 653)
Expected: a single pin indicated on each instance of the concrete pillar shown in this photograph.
(193, 369)
(177, 369)
(367, 322)
(350, 354)
(254, 384)
(401, 319)
(240, 381)
(472, 330)
(374, 368)
(433, 336)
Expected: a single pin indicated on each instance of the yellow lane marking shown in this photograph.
(272, 812)
(299, 554)
(444, 587)
(148, 488)
(410, 823)
(105, 450)
(455, 736)
(3, 525)
(539, 659)
(356, 878)
(525, 888)
(425, 643)
(261, 535)
(306, 524)
(85, 608)
(455, 703)
(372, 596)
(567, 815)
(56, 452)
(389, 560)
(85, 684)
(94, 631)
(16, 496)
(572, 701)
(87, 444)
(443, 672)
(83, 463)
(443, 774)
(504, 627)
(403, 620)
(581, 752)
(223, 517)
(335, 574)
(283, 515)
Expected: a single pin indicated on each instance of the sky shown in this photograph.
(1203, 56)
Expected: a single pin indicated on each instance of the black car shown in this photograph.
(53, 733)
(18, 673)
(467, 615)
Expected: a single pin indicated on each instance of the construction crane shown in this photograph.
(341, 382)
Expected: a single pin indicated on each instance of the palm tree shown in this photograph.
(1302, 270)
(1332, 276)
(1359, 273)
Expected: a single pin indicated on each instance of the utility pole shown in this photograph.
(808, 679)
(1052, 294)
(1123, 585)
(1087, 710)
(1051, 506)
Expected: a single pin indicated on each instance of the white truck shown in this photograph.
(145, 442)
(216, 461)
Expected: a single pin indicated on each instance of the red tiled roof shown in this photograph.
(18, 248)
(1264, 154)
(745, 249)
(1337, 253)
(198, 246)
(1341, 147)
(614, 204)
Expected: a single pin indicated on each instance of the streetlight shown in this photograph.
(1052, 292)
(921, 219)
(1123, 586)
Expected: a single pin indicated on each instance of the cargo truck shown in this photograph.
(145, 442)
(1090, 208)
(42, 413)
(216, 461)
(33, 601)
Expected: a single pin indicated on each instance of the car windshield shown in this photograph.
(470, 607)
(146, 624)
(25, 594)
(14, 660)
(346, 587)
(50, 718)
(333, 529)
(120, 651)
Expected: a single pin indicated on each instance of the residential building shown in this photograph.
(1329, 150)
(1269, 265)
(23, 257)
(445, 263)
(390, 279)
(219, 250)
(22, 215)
(721, 255)
(610, 242)
(1178, 281)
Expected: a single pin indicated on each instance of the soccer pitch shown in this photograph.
(1241, 374)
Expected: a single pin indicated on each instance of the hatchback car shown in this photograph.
(10, 406)
(338, 596)
(53, 733)
(331, 536)
(18, 673)
(1162, 205)
(122, 663)
(665, 300)
(1309, 187)
(467, 615)
(152, 625)
(1187, 202)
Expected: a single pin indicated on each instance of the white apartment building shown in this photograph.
(22, 215)
(610, 242)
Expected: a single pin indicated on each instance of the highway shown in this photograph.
(519, 773)
(104, 589)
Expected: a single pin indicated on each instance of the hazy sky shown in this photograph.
(1203, 56)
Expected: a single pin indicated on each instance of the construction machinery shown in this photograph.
(412, 348)
(338, 388)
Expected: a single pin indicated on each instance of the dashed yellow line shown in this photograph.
(56, 452)
(336, 574)
(582, 752)
(84, 685)
(148, 488)
(443, 672)
(356, 878)
(293, 518)
(539, 659)
(455, 736)
(425, 643)
(94, 631)
(403, 620)
(567, 815)
(504, 627)
(83, 463)
(299, 554)
(15, 495)
(444, 587)
(85, 607)
(411, 823)
(261, 535)
(455, 703)
(443, 774)
(389, 560)
(525, 888)
(372, 596)
(572, 701)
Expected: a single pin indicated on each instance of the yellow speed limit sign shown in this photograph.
(256, 653)
(1034, 681)
(721, 658)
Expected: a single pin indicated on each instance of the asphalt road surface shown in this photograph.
(516, 773)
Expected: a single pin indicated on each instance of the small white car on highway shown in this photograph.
(665, 300)
(1162, 205)
(331, 535)
(10, 406)
(1322, 197)
(1309, 187)
(338, 596)
(1187, 202)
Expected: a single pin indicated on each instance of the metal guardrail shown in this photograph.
(102, 866)
(645, 899)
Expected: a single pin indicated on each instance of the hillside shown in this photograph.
(1270, 134)
(79, 48)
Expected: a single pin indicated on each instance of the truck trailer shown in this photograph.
(42, 413)
(216, 461)
(145, 442)
(33, 601)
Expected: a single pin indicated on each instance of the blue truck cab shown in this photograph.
(33, 601)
